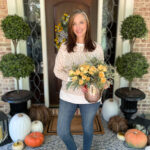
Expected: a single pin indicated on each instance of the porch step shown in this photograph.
(54, 111)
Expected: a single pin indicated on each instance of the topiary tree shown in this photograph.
(132, 65)
(16, 65)
(15, 28)
(133, 27)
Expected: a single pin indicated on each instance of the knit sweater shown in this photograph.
(64, 62)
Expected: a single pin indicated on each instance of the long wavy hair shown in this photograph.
(71, 40)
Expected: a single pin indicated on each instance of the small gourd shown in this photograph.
(19, 127)
(37, 126)
(120, 136)
(18, 145)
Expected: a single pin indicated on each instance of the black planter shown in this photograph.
(129, 100)
(18, 101)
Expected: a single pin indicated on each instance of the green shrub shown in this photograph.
(16, 65)
(15, 28)
(132, 65)
(132, 27)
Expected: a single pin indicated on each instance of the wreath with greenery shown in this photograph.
(61, 31)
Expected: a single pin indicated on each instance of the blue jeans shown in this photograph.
(65, 116)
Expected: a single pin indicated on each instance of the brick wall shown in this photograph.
(6, 84)
(142, 7)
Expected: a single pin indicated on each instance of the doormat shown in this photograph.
(76, 126)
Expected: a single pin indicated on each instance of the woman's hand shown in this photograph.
(107, 85)
(84, 89)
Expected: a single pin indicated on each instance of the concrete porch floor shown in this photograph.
(108, 141)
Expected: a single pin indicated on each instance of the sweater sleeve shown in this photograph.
(59, 68)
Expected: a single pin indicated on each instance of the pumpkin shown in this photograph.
(110, 108)
(19, 127)
(34, 139)
(18, 145)
(40, 112)
(118, 124)
(37, 126)
(136, 138)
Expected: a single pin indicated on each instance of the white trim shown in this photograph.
(125, 9)
(44, 52)
(99, 21)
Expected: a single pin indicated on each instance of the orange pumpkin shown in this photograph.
(34, 139)
(136, 138)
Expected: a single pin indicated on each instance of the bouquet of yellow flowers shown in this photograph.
(93, 74)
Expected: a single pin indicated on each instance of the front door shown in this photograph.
(54, 11)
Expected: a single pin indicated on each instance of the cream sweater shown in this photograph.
(64, 62)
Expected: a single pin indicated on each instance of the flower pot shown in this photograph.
(93, 94)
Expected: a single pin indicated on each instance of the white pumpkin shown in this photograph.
(147, 148)
(110, 108)
(19, 127)
(37, 126)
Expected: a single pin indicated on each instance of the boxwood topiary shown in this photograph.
(132, 65)
(15, 28)
(16, 65)
(133, 27)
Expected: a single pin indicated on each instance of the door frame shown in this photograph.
(125, 9)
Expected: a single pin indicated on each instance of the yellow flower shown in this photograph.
(65, 14)
(81, 74)
(103, 80)
(91, 73)
(101, 74)
(74, 78)
(71, 72)
(88, 78)
(77, 72)
(104, 68)
(92, 68)
(100, 67)
(80, 82)
(59, 24)
(85, 71)
(84, 77)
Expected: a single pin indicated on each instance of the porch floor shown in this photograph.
(108, 141)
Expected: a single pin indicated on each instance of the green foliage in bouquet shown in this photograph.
(16, 66)
(94, 72)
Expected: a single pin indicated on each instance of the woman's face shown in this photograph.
(79, 26)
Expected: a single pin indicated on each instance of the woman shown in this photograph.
(75, 51)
